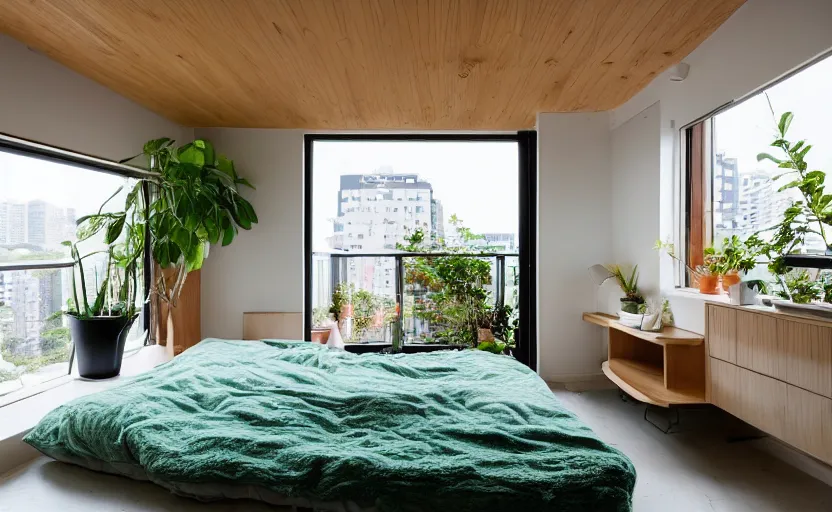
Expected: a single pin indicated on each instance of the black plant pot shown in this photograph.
(99, 344)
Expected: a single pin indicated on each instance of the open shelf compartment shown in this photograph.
(663, 369)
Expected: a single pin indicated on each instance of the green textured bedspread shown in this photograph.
(461, 431)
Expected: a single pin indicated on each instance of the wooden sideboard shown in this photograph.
(774, 371)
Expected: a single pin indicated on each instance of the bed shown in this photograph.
(298, 424)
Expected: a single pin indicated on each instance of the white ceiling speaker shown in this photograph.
(679, 72)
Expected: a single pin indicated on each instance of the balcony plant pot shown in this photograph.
(484, 334)
(708, 285)
(99, 344)
(321, 334)
(730, 279)
(629, 306)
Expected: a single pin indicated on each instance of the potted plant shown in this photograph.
(737, 258)
(194, 202)
(632, 297)
(485, 320)
(804, 218)
(705, 276)
(99, 328)
(321, 325)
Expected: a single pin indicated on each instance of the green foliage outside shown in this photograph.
(55, 344)
(449, 291)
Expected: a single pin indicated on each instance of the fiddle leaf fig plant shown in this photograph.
(194, 202)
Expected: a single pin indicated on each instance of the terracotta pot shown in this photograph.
(730, 279)
(484, 335)
(346, 311)
(321, 335)
(709, 285)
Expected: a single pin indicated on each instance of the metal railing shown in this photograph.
(340, 273)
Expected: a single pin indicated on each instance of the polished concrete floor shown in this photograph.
(709, 464)
(706, 466)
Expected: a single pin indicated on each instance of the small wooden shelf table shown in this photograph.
(661, 368)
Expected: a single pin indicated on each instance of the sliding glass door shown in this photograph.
(414, 242)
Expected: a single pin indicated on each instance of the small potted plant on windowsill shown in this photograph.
(632, 297)
(736, 259)
(705, 277)
(99, 329)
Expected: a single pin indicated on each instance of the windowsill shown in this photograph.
(693, 294)
(20, 416)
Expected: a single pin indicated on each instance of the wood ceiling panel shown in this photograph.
(367, 64)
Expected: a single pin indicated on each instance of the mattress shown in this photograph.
(297, 423)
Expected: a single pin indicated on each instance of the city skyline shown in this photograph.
(477, 181)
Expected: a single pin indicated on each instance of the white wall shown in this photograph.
(46, 102)
(635, 202)
(573, 233)
(262, 270)
(763, 40)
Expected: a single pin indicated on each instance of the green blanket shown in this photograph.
(451, 430)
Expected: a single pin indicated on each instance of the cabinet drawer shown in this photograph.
(722, 333)
(758, 344)
(809, 423)
(753, 398)
(805, 352)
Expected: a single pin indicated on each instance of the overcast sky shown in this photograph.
(475, 180)
(23, 179)
(748, 129)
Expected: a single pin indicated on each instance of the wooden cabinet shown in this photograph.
(773, 371)
(755, 398)
(808, 423)
(806, 351)
(757, 344)
(722, 333)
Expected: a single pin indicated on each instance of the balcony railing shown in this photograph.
(411, 298)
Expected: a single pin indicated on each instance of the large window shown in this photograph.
(40, 201)
(728, 191)
(414, 238)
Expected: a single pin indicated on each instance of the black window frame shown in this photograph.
(526, 350)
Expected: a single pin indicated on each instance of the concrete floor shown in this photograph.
(697, 469)
(693, 470)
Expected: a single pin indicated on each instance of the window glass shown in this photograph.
(745, 196)
(458, 196)
(40, 202)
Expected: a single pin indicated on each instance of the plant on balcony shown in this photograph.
(455, 298)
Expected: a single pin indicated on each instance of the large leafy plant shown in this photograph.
(194, 202)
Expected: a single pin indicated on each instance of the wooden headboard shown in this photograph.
(285, 326)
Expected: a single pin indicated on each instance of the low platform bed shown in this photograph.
(295, 423)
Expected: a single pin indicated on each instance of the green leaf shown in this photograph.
(190, 154)
(131, 197)
(791, 184)
(785, 122)
(152, 146)
(182, 238)
(208, 150)
(213, 230)
(114, 229)
(228, 235)
(802, 154)
(767, 156)
(226, 166)
(245, 182)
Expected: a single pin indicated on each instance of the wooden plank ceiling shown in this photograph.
(367, 64)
